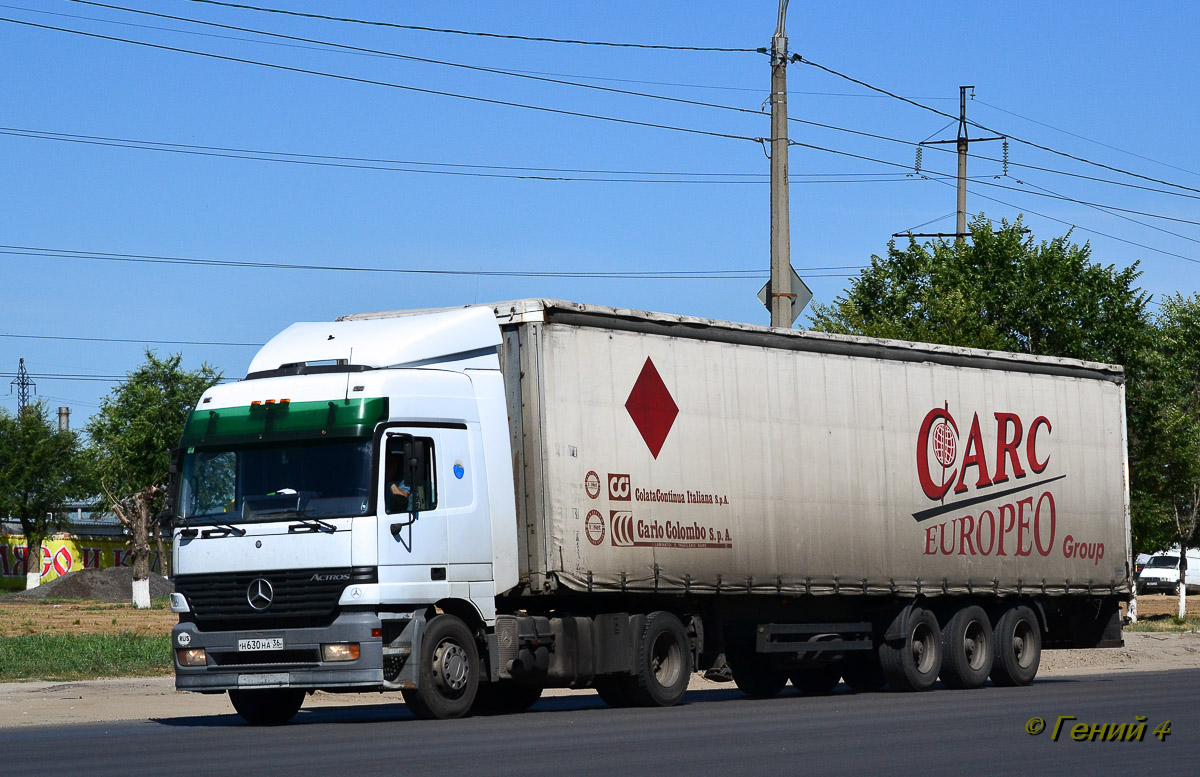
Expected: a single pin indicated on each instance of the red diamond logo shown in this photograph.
(651, 407)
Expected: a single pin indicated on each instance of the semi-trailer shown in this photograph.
(470, 505)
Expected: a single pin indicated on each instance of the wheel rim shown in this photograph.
(975, 645)
(451, 667)
(924, 652)
(1023, 643)
(666, 660)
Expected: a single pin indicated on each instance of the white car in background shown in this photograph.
(1161, 573)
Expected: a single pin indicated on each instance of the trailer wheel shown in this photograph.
(1018, 647)
(448, 675)
(504, 697)
(664, 662)
(862, 673)
(817, 680)
(967, 649)
(913, 662)
(267, 706)
(756, 678)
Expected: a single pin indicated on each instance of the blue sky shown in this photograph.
(1122, 76)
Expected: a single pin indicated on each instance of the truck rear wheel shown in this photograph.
(448, 675)
(664, 662)
(913, 662)
(817, 680)
(267, 706)
(1018, 647)
(967, 649)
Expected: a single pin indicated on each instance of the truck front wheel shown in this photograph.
(267, 706)
(1018, 647)
(448, 675)
(912, 663)
(664, 662)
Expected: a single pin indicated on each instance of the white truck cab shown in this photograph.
(341, 487)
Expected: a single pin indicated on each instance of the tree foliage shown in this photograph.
(142, 420)
(1001, 291)
(132, 435)
(41, 470)
(1168, 408)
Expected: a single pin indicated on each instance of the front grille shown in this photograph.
(302, 597)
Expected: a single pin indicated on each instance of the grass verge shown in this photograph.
(83, 656)
(1159, 623)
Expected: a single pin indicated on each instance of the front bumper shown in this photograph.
(297, 665)
(1151, 584)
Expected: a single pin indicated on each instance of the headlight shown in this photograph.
(192, 656)
(340, 652)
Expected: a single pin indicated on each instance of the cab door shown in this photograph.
(433, 525)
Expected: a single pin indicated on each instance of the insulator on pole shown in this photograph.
(1006, 156)
(919, 150)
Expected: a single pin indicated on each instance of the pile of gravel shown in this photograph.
(114, 584)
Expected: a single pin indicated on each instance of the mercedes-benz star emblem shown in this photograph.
(260, 594)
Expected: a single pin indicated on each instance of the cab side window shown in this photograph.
(410, 484)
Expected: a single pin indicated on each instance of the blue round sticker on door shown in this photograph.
(458, 470)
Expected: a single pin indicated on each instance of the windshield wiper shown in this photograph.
(312, 524)
(223, 530)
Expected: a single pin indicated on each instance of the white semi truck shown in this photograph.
(471, 505)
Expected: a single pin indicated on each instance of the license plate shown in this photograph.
(268, 678)
(274, 643)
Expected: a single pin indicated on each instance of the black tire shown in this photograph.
(913, 662)
(448, 673)
(756, 678)
(862, 674)
(817, 680)
(664, 662)
(504, 697)
(615, 690)
(267, 706)
(967, 649)
(1017, 640)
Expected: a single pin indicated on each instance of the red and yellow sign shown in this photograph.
(63, 553)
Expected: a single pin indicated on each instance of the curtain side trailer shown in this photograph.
(472, 505)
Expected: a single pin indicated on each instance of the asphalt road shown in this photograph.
(713, 732)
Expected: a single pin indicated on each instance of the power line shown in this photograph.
(1053, 196)
(418, 28)
(831, 71)
(388, 84)
(1082, 137)
(412, 58)
(125, 340)
(56, 253)
(1110, 212)
(392, 165)
(1073, 225)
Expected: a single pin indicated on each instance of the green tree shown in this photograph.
(1170, 400)
(138, 424)
(41, 470)
(1001, 290)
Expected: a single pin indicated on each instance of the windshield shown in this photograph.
(324, 479)
(1169, 562)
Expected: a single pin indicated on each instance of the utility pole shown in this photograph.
(963, 143)
(780, 291)
(23, 384)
